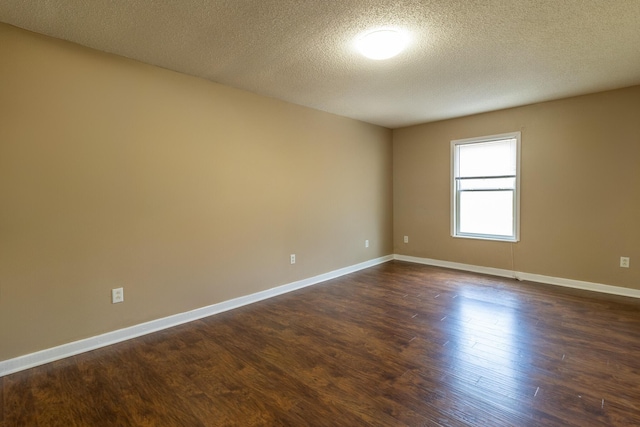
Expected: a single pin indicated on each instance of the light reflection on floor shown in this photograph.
(489, 342)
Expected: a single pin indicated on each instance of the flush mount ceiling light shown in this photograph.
(382, 44)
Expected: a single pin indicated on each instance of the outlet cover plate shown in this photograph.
(117, 295)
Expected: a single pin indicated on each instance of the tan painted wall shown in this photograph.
(580, 194)
(186, 193)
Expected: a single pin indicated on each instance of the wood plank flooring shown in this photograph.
(394, 345)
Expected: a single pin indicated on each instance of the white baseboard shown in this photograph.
(456, 265)
(66, 350)
(539, 278)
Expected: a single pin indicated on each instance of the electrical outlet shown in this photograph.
(366, 243)
(406, 239)
(293, 258)
(624, 261)
(117, 295)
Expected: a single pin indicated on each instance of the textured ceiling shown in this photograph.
(466, 56)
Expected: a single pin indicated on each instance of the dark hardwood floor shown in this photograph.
(397, 344)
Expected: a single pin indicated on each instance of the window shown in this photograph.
(486, 187)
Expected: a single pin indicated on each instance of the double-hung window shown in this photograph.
(486, 187)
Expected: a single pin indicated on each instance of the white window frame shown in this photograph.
(454, 188)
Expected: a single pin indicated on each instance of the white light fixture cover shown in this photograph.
(382, 44)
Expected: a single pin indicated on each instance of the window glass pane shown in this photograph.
(487, 184)
(486, 212)
(487, 158)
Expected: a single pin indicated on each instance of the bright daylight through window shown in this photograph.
(486, 187)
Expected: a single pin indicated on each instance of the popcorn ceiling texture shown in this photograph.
(465, 57)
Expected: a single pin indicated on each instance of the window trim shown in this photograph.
(454, 192)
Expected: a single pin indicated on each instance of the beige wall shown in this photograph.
(580, 194)
(186, 193)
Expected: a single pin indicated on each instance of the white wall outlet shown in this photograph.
(624, 261)
(366, 243)
(117, 295)
(406, 239)
(293, 258)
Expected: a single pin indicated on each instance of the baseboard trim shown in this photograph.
(42, 357)
(456, 265)
(538, 278)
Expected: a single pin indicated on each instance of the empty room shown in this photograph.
(320, 213)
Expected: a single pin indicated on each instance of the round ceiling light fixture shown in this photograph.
(382, 44)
